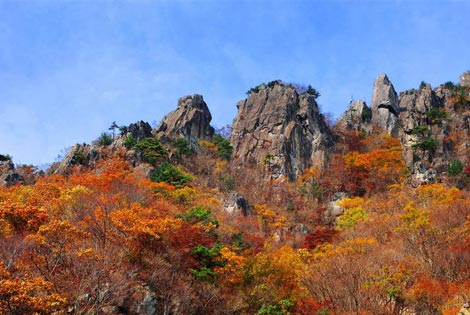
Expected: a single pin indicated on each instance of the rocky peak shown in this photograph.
(190, 120)
(413, 107)
(281, 129)
(433, 125)
(385, 107)
(139, 130)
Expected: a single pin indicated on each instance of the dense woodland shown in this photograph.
(110, 238)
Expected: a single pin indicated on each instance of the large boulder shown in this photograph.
(281, 129)
(190, 120)
(385, 107)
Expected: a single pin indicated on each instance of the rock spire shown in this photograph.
(280, 129)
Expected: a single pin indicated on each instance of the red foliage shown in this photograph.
(318, 237)
(308, 306)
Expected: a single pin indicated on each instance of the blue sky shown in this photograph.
(68, 69)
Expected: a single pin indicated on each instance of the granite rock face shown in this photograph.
(357, 116)
(433, 127)
(79, 155)
(385, 107)
(416, 125)
(280, 129)
(190, 120)
(139, 130)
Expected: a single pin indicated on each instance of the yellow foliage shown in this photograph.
(438, 193)
(414, 218)
(208, 145)
(351, 217)
(309, 174)
(269, 219)
(351, 202)
(232, 272)
(277, 272)
(184, 195)
(349, 247)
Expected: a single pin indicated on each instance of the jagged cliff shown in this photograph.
(433, 125)
(280, 128)
(190, 121)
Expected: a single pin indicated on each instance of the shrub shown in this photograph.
(422, 85)
(129, 142)
(428, 144)
(269, 84)
(253, 90)
(152, 150)
(366, 114)
(170, 174)
(282, 308)
(455, 168)
(182, 147)
(5, 157)
(421, 130)
(449, 85)
(436, 115)
(199, 214)
(209, 258)
(122, 130)
(273, 83)
(224, 148)
(78, 157)
(105, 139)
(312, 91)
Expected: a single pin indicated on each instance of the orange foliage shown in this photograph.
(28, 295)
(97, 241)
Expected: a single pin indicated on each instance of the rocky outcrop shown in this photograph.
(236, 204)
(139, 130)
(78, 155)
(280, 129)
(8, 174)
(433, 125)
(191, 121)
(358, 116)
(465, 79)
(385, 108)
(417, 126)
